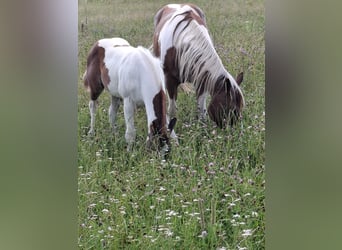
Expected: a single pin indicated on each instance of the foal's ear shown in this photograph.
(239, 78)
(172, 124)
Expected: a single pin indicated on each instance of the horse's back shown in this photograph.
(113, 42)
(140, 75)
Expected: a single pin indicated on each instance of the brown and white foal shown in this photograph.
(134, 76)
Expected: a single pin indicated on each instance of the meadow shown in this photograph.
(210, 193)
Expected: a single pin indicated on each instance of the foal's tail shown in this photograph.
(85, 81)
(84, 75)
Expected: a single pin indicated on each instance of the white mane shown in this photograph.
(201, 60)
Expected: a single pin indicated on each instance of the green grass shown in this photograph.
(212, 188)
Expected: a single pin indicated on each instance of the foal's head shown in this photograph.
(159, 136)
(227, 103)
(159, 129)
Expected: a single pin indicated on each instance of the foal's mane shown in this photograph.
(160, 99)
(155, 65)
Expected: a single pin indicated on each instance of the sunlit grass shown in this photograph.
(210, 193)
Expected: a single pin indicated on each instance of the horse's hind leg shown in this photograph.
(113, 109)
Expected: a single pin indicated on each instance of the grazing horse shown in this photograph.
(182, 42)
(131, 74)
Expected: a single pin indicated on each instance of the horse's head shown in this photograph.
(159, 137)
(226, 103)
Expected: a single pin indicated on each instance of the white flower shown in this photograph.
(246, 232)
(203, 234)
(92, 205)
(106, 211)
(254, 214)
(168, 233)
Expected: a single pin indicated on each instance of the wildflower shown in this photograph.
(254, 214)
(246, 232)
(106, 211)
(168, 233)
(92, 205)
(203, 234)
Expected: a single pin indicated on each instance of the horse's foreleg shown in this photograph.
(172, 109)
(113, 109)
(173, 135)
(201, 106)
(92, 109)
(129, 119)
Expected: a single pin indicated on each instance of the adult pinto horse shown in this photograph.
(182, 42)
(131, 74)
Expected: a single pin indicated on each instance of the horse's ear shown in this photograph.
(239, 78)
(172, 123)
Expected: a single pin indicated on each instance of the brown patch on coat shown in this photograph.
(160, 19)
(92, 78)
(189, 16)
(104, 70)
(165, 13)
(171, 72)
(159, 124)
(96, 77)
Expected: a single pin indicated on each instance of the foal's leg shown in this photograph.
(129, 107)
(95, 87)
(92, 109)
(113, 109)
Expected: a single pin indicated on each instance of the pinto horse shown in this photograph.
(182, 42)
(131, 74)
